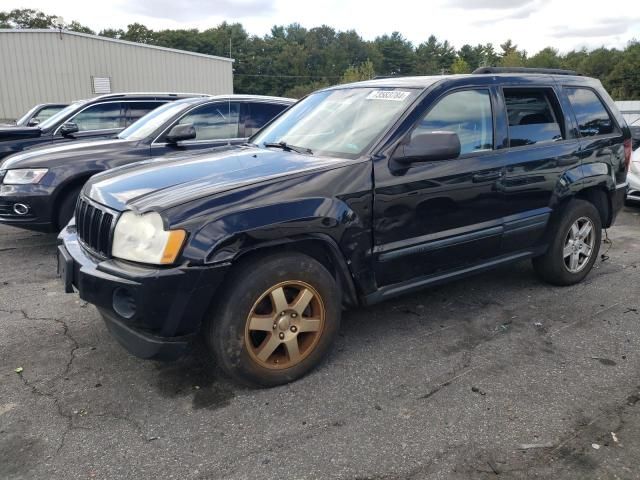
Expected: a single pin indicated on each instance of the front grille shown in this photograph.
(93, 225)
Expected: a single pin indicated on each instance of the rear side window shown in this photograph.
(258, 114)
(532, 118)
(137, 110)
(467, 113)
(593, 119)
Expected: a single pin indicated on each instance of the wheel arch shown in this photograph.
(318, 246)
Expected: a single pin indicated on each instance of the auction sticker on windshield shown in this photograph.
(393, 95)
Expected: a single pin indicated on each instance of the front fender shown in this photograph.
(223, 239)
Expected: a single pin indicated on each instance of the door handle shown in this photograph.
(486, 177)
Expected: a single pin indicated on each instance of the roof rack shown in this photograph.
(548, 71)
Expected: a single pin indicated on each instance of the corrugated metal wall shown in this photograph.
(39, 66)
(630, 110)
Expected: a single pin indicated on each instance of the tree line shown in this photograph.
(292, 60)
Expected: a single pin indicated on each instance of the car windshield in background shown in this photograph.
(153, 120)
(53, 120)
(341, 123)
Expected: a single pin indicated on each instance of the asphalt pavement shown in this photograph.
(495, 376)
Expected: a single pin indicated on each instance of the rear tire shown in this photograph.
(275, 321)
(67, 207)
(574, 245)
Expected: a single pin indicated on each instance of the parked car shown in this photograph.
(38, 114)
(633, 194)
(103, 116)
(39, 187)
(354, 195)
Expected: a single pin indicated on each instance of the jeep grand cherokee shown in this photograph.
(356, 194)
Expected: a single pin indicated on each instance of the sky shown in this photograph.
(531, 24)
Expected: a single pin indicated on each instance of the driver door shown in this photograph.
(433, 217)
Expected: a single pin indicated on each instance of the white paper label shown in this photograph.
(391, 95)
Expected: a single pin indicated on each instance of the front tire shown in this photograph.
(67, 207)
(574, 245)
(275, 320)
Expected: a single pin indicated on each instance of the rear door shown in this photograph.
(258, 114)
(216, 125)
(135, 110)
(541, 161)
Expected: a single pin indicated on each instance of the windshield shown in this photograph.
(22, 121)
(153, 120)
(53, 120)
(340, 123)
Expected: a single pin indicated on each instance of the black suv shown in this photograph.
(102, 116)
(356, 194)
(39, 187)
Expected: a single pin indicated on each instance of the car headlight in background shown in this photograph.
(142, 238)
(24, 176)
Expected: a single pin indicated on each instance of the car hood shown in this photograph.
(14, 132)
(158, 184)
(50, 156)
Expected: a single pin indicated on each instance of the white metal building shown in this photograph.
(630, 110)
(38, 66)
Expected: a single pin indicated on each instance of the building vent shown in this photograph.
(101, 84)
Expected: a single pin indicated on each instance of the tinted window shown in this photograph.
(531, 117)
(258, 115)
(467, 113)
(99, 117)
(137, 110)
(216, 121)
(47, 112)
(593, 118)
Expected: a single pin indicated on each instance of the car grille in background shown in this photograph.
(94, 227)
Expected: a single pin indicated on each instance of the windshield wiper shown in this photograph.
(288, 148)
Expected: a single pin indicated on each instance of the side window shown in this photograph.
(593, 118)
(102, 116)
(531, 116)
(467, 113)
(258, 115)
(216, 121)
(137, 110)
(46, 112)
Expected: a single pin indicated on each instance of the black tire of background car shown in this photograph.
(224, 329)
(550, 266)
(67, 207)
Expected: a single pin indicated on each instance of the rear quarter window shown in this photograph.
(592, 117)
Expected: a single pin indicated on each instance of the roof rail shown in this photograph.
(548, 71)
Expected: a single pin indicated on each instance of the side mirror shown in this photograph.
(429, 147)
(180, 133)
(34, 122)
(68, 129)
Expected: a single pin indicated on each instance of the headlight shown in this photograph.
(142, 238)
(24, 176)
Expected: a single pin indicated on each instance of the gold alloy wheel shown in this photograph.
(284, 325)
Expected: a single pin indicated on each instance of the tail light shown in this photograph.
(627, 153)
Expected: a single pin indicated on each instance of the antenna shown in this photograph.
(229, 116)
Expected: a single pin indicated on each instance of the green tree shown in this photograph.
(397, 55)
(364, 71)
(460, 66)
(545, 58)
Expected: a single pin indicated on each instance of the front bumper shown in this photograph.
(153, 312)
(38, 201)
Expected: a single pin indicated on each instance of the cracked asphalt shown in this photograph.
(496, 376)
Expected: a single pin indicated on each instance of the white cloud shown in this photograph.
(531, 24)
